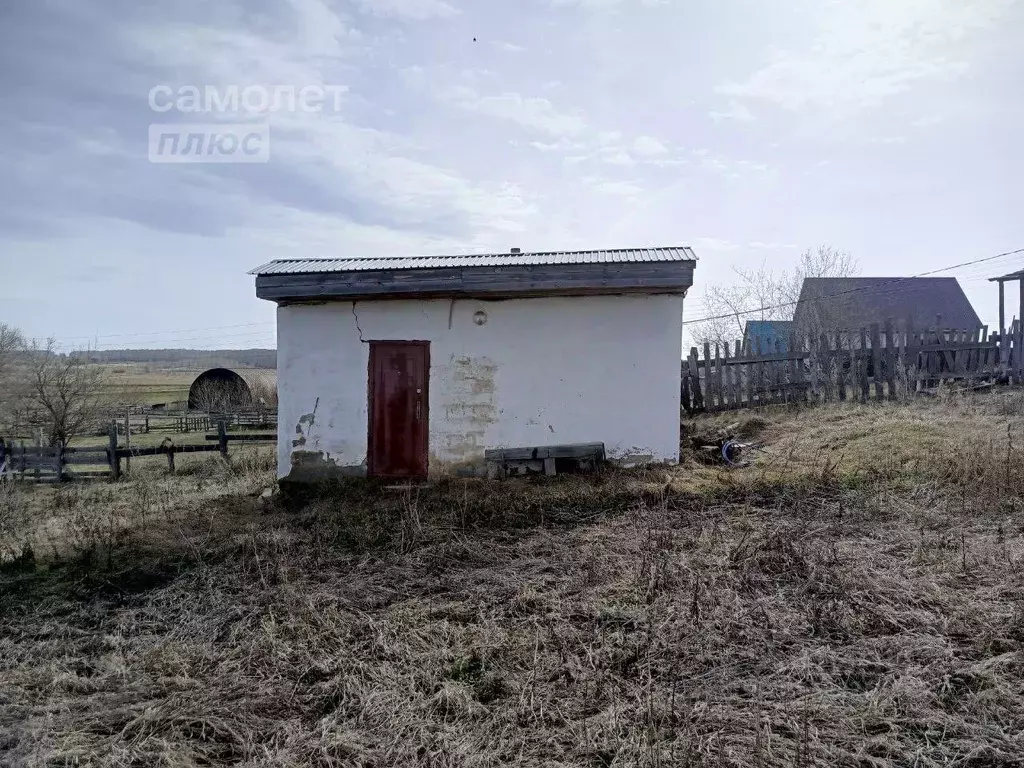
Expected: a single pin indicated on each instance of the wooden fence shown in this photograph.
(156, 420)
(876, 362)
(46, 464)
(136, 420)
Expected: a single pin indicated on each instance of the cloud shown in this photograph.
(509, 47)
(618, 157)
(864, 52)
(648, 146)
(568, 131)
(712, 244)
(562, 145)
(617, 188)
(605, 5)
(737, 112)
(533, 113)
(730, 167)
(409, 10)
(757, 244)
(332, 162)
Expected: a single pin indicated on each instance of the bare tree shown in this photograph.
(12, 344)
(765, 294)
(65, 391)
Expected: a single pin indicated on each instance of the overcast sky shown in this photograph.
(747, 129)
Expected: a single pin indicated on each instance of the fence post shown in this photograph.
(39, 453)
(695, 389)
(737, 381)
(222, 437)
(128, 439)
(727, 392)
(876, 359)
(115, 462)
(889, 359)
(780, 372)
(840, 372)
(749, 369)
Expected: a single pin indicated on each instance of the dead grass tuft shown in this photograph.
(821, 608)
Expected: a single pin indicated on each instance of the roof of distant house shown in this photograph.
(848, 303)
(769, 331)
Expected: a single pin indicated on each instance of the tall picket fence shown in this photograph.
(877, 361)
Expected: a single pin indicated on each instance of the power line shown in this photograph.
(161, 333)
(268, 334)
(873, 289)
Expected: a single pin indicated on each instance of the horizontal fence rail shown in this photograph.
(52, 464)
(876, 361)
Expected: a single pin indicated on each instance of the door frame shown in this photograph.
(424, 448)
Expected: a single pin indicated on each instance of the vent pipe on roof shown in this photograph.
(516, 250)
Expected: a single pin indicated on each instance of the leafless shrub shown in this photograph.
(765, 294)
(64, 390)
(15, 520)
(12, 379)
(905, 380)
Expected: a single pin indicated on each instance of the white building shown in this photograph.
(403, 367)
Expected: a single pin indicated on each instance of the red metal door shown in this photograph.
(399, 373)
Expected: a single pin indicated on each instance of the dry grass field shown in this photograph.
(853, 598)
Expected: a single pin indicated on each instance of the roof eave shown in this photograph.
(480, 282)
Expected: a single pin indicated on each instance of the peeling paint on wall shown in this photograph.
(469, 399)
(305, 425)
(316, 465)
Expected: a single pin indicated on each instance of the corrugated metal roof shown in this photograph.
(306, 266)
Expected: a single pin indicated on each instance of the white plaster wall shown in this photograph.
(538, 372)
